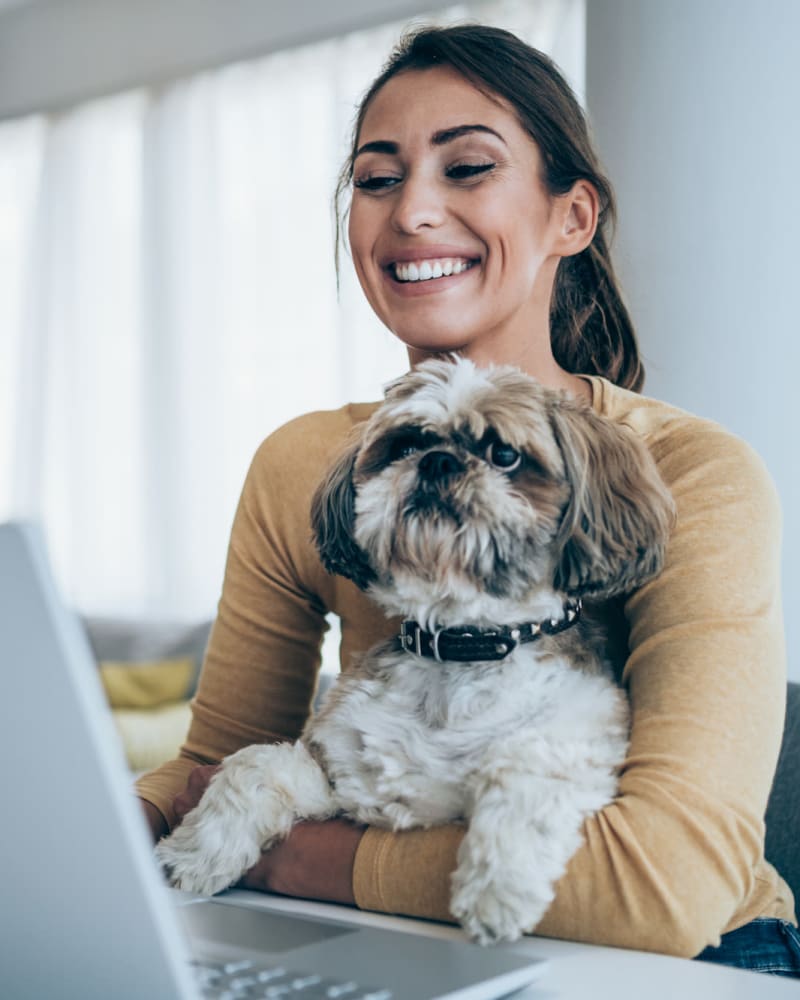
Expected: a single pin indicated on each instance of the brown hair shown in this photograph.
(591, 330)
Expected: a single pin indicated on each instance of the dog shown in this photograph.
(482, 508)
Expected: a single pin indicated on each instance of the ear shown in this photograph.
(617, 522)
(333, 522)
(579, 210)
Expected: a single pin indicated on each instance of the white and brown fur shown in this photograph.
(521, 750)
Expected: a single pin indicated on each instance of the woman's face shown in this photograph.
(454, 238)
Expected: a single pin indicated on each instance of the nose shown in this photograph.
(418, 205)
(436, 465)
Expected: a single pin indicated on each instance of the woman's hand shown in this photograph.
(197, 783)
(183, 803)
(156, 822)
(314, 862)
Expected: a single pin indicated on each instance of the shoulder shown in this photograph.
(300, 451)
(318, 430)
(272, 526)
(693, 454)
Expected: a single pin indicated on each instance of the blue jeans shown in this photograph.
(764, 945)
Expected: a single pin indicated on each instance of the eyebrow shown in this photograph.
(440, 138)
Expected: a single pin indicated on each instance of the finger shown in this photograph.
(196, 785)
(183, 804)
(200, 777)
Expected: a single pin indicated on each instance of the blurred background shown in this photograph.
(167, 286)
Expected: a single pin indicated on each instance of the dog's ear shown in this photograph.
(615, 528)
(333, 521)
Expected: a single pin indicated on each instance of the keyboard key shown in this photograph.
(342, 990)
(267, 975)
(236, 980)
(302, 982)
(229, 968)
(242, 982)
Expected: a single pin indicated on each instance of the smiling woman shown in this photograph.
(472, 155)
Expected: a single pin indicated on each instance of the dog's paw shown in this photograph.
(493, 912)
(201, 859)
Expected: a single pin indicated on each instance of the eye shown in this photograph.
(466, 171)
(502, 456)
(375, 182)
(404, 446)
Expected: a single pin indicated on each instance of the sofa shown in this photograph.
(149, 672)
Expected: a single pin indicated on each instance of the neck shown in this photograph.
(540, 364)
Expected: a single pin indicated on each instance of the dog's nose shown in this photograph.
(439, 465)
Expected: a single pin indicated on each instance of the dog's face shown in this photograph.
(470, 488)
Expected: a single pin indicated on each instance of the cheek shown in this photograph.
(361, 230)
(519, 238)
(376, 507)
(361, 237)
(546, 497)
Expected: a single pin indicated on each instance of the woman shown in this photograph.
(478, 223)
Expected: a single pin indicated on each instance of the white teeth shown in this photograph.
(426, 270)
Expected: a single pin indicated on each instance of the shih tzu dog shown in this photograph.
(481, 507)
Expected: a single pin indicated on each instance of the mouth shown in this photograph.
(425, 504)
(429, 269)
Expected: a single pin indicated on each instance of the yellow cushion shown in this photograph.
(152, 737)
(146, 685)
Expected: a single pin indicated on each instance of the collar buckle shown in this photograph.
(411, 637)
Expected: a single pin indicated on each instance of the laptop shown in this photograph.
(85, 911)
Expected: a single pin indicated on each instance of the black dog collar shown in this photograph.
(466, 643)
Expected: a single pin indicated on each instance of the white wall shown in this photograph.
(695, 110)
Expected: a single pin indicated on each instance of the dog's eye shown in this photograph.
(503, 456)
(402, 447)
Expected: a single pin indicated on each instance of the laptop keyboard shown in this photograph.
(245, 979)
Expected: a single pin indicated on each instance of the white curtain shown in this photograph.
(168, 297)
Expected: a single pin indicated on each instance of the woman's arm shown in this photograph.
(315, 861)
(260, 670)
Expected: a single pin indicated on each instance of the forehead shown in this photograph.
(429, 100)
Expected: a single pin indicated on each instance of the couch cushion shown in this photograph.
(143, 648)
(153, 736)
(148, 684)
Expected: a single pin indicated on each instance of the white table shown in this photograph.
(589, 972)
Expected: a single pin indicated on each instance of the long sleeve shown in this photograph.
(677, 858)
(259, 675)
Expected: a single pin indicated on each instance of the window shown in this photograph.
(168, 298)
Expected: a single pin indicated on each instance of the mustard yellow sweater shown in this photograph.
(678, 858)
